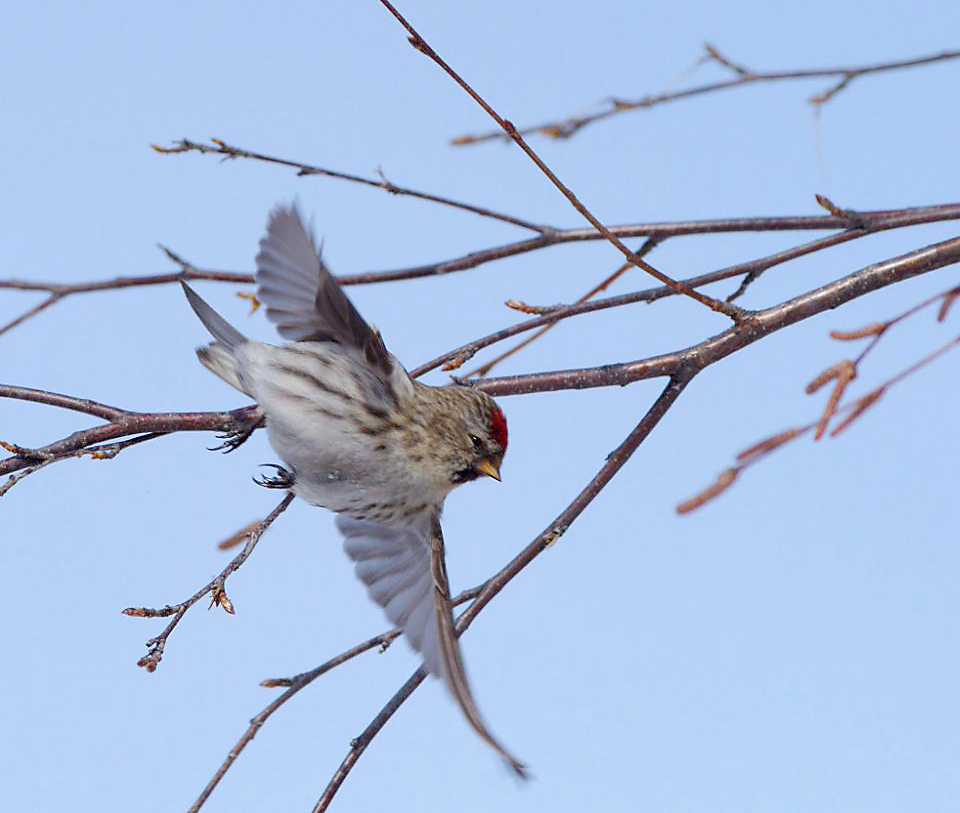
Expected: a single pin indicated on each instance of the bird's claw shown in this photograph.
(251, 419)
(282, 479)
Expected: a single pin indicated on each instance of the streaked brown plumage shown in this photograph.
(362, 438)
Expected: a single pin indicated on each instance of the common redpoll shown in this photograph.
(362, 438)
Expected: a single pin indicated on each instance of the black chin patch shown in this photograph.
(465, 475)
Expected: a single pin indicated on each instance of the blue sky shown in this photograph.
(790, 647)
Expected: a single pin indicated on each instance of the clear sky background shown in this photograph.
(790, 647)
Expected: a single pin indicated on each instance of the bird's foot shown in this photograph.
(282, 479)
(250, 419)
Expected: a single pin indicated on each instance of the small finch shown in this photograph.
(359, 436)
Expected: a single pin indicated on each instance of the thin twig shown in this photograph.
(567, 127)
(13, 479)
(216, 587)
(418, 42)
(483, 369)
(295, 684)
(220, 147)
(760, 323)
(30, 312)
(842, 372)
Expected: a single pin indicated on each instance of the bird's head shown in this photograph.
(466, 432)
(486, 436)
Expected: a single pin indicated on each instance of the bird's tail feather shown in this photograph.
(218, 357)
(219, 328)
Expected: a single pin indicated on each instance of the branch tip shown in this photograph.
(874, 329)
(722, 483)
(948, 299)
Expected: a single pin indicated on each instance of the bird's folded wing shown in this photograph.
(301, 297)
(406, 573)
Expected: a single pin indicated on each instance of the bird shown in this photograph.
(362, 438)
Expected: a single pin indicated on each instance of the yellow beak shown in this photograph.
(487, 466)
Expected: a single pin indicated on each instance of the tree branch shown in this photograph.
(565, 128)
(295, 684)
(754, 326)
(216, 587)
(220, 147)
(856, 225)
(418, 42)
(120, 423)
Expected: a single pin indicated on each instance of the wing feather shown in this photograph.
(303, 299)
(394, 563)
(405, 572)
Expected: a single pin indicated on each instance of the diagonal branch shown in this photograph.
(216, 587)
(418, 42)
(294, 685)
(220, 147)
(755, 326)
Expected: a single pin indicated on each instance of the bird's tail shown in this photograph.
(218, 357)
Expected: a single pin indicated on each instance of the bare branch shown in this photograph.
(564, 128)
(751, 268)
(13, 479)
(483, 369)
(757, 325)
(30, 312)
(220, 147)
(294, 685)
(870, 222)
(879, 220)
(216, 587)
(418, 42)
(121, 423)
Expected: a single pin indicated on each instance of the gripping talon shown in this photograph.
(252, 419)
(282, 479)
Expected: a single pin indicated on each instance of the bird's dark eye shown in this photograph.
(477, 443)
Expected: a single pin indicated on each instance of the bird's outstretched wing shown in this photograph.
(301, 297)
(405, 572)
